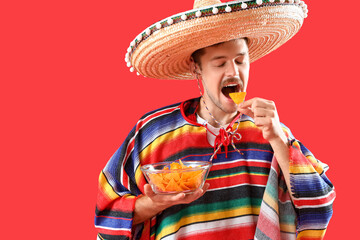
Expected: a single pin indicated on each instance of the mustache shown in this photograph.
(234, 79)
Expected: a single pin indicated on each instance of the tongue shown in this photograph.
(227, 90)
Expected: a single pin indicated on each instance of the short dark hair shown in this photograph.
(198, 53)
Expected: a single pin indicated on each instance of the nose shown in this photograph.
(232, 69)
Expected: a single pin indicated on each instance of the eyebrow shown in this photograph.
(221, 57)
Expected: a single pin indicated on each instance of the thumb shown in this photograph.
(148, 190)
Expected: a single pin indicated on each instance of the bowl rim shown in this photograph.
(205, 165)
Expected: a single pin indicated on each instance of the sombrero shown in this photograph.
(163, 50)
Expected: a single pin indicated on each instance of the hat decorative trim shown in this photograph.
(216, 9)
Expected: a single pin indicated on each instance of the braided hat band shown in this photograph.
(163, 50)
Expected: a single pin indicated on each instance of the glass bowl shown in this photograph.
(176, 177)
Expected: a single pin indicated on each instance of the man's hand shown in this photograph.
(151, 203)
(168, 200)
(265, 117)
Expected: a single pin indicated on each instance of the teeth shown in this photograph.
(231, 85)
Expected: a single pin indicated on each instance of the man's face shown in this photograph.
(224, 69)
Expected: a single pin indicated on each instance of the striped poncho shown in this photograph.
(247, 199)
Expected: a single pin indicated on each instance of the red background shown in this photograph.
(68, 101)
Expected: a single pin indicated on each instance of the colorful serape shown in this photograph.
(247, 199)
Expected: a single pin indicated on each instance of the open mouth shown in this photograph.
(233, 87)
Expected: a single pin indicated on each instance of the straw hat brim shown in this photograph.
(165, 54)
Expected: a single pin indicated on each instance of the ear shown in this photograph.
(194, 68)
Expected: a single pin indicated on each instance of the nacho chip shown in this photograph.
(238, 97)
(173, 186)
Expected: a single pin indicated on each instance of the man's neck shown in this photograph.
(222, 117)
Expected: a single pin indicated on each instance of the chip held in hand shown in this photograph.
(238, 97)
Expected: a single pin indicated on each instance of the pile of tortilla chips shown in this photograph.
(178, 180)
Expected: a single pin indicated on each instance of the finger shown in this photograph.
(248, 107)
(196, 194)
(262, 121)
(206, 186)
(245, 108)
(148, 190)
(263, 103)
(258, 102)
(248, 103)
(193, 196)
(176, 197)
(201, 191)
(263, 112)
(246, 111)
(259, 112)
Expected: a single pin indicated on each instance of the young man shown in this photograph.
(266, 185)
